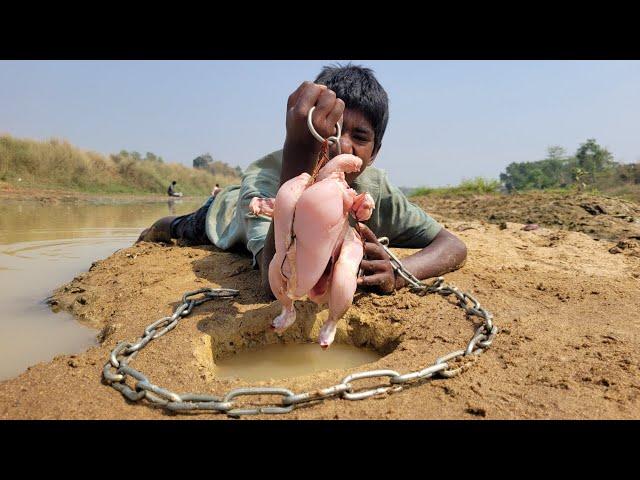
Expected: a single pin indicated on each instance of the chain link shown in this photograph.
(117, 369)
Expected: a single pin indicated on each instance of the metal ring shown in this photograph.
(317, 136)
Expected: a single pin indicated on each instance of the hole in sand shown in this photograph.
(277, 361)
(241, 345)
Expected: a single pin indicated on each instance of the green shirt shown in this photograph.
(229, 221)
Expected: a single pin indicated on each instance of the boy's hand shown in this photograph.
(377, 267)
(328, 111)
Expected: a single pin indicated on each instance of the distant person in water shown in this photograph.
(215, 191)
(172, 190)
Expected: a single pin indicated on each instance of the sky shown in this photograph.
(449, 120)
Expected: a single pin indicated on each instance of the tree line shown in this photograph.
(136, 157)
(590, 165)
(206, 162)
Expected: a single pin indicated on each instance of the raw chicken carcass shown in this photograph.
(262, 206)
(317, 253)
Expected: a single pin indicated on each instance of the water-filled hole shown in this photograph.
(281, 360)
(242, 345)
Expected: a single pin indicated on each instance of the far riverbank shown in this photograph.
(10, 192)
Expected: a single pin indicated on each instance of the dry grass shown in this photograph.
(58, 164)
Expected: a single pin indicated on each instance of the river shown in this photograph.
(43, 246)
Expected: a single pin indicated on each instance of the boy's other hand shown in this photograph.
(376, 265)
(328, 111)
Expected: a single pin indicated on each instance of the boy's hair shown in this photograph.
(359, 89)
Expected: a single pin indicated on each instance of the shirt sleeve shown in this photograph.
(229, 221)
(261, 181)
(405, 224)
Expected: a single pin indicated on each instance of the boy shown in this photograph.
(352, 96)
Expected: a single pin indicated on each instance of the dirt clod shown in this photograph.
(477, 411)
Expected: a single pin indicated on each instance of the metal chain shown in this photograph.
(117, 369)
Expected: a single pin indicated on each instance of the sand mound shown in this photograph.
(565, 305)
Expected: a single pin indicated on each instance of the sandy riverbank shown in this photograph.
(565, 305)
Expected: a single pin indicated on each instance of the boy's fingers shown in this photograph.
(308, 97)
(336, 113)
(374, 251)
(326, 101)
(293, 98)
(371, 280)
(324, 107)
(373, 265)
(366, 232)
(329, 109)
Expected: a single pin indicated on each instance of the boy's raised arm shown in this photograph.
(301, 149)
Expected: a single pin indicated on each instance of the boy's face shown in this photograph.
(357, 139)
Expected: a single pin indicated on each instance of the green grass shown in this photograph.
(626, 192)
(483, 186)
(475, 186)
(56, 164)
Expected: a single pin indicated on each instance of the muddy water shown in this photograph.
(43, 246)
(279, 361)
